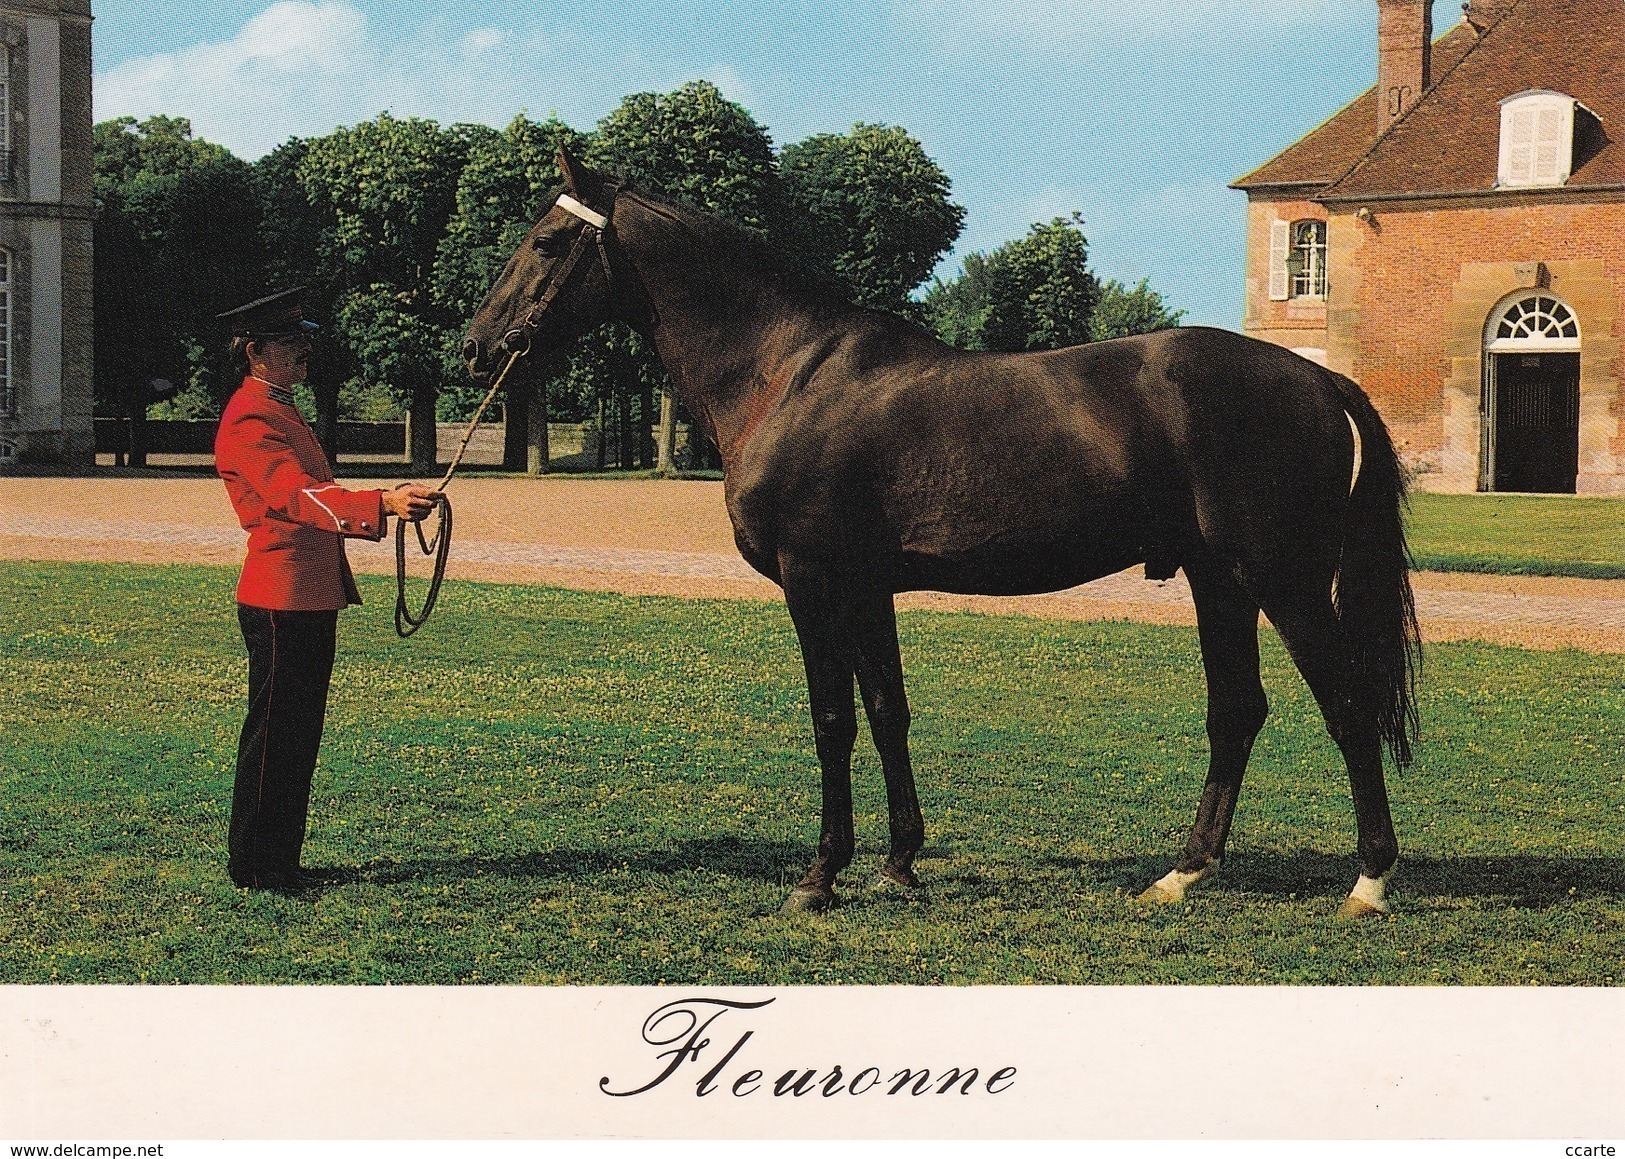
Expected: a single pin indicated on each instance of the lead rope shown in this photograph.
(440, 545)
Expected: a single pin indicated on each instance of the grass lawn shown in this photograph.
(1519, 534)
(564, 787)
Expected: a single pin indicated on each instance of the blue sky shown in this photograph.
(1135, 114)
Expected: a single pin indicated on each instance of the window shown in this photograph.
(1537, 139)
(1308, 260)
(1534, 322)
(1297, 260)
(8, 399)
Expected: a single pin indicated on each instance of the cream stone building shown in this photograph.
(46, 213)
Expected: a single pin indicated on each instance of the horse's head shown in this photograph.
(558, 283)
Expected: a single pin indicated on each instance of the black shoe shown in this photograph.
(293, 880)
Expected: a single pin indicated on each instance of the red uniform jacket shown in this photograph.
(285, 498)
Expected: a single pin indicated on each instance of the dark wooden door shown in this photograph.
(1537, 422)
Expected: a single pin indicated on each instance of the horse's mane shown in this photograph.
(746, 249)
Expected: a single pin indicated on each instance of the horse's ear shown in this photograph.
(578, 179)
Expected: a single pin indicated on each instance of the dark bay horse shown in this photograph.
(863, 458)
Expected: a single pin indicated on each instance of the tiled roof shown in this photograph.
(1450, 141)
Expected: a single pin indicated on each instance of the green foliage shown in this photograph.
(177, 240)
(369, 402)
(870, 210)
(1037, 293)
(693, 145)
(1033, 293)
(131, 154)
(1040, 290)
(595, 789)
(294, 226)
(381, 194)
(391, 186)
(957, 309)
(391, 339)
(1121, 312)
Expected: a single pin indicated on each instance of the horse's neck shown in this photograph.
(723, 332)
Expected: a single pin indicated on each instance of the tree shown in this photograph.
(504, 187)
(1033, 293)
(870, 210)
(957, 309)
(1040, 290)
(293, 227)
(1121, 312)
(693, 145)
(1037, 293)
(386, 189)
(176, 242)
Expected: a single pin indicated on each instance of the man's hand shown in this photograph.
(411, 501)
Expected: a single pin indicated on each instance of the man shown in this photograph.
(294, 581)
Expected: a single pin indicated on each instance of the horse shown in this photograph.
(863, 458)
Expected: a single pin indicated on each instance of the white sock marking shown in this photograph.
(1174, 883)
(1371, 890)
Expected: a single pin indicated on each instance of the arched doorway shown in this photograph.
(1531, 401)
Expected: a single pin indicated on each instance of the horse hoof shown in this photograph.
(1368, 898)
(891, 875)
(1354, 909)
(808, 901)
(1171, 886)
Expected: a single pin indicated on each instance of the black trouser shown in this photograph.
(290, 660)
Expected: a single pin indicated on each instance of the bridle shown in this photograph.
(595, 235)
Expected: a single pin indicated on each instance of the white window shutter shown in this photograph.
(1547, 145)
(1518, 140)
(1280, 246)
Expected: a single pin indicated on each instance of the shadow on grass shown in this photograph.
(1529, 881)
(1526, 880)
(769, 861)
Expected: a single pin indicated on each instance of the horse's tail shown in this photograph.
(1372, 594)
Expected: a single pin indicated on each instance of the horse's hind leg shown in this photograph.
(880, 677)
(1227, 622)
(818, 612)
(1315, 642)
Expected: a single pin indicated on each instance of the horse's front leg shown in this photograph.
(880, 677)
(817, 610)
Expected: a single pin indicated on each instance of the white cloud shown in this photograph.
(483, 40)
(733, 85)
(303, 67)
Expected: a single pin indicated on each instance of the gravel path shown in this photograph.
(647, 537)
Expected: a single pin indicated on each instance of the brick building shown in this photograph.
(45, 233)
(1454, 241)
